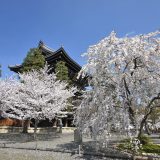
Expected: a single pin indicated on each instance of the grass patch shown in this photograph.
(151, 148)
(147, 146)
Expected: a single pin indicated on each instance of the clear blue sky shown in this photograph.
(75, 24)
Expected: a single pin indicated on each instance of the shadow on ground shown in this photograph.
(88, 151)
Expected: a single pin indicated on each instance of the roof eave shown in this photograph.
(63, 52)
(15, 68)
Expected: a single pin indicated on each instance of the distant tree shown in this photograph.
(155, 116)
(34, 60)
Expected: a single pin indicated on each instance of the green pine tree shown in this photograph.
(33, 60)
(61, 71)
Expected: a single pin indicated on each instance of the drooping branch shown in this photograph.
(126, 87)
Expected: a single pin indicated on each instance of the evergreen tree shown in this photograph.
(34, 60)
(61, 71)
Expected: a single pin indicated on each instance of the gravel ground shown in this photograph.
(59, 142)
(49, 147)
(53, 146)
(19, 154)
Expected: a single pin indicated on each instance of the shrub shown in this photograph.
(132, 145)
(147, 146)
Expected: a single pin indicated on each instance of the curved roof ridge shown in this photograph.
(66, 54)
(44, 46)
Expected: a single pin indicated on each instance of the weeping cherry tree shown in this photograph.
(124, 75)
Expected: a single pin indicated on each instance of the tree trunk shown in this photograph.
(129, 103)
(131, 115)
(143, 122)
(26, 124)
(35, 129)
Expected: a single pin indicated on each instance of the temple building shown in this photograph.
(52, 57)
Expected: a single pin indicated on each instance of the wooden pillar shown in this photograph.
(26, 125)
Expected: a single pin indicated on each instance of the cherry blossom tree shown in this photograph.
(39, 96)
(8, 87)
(125, 74)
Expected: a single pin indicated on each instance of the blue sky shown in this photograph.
(75, 24)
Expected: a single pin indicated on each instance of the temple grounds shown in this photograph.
(17, 146)
(56, 146)
(14, 154)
